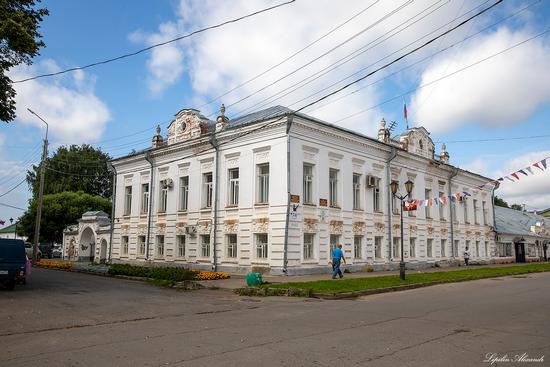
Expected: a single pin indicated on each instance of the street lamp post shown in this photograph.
(408, 187)
(11, 222)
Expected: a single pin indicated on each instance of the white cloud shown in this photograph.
(221, 59)
(68, 103)
(502, 91)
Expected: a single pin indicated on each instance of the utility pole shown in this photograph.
(40, 190)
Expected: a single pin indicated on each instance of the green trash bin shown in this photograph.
(253, 279)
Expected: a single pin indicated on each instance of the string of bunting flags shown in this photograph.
(530, 170)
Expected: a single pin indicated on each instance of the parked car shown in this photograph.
(57, 250)
(13, 261)
(46, 250)
(28, 251)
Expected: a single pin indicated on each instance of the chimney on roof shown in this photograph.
(383, 132)
(222, 120)
(444, 155)
(158, 141)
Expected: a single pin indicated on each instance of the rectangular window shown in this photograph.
(205, 245)
(357, 247)
(455, 248)
(378, 247)
(334, 240)
(160, 246)
(486, 249)
(453, 208)
(127, 200)
(468, 247)
(231, 245)
(477, 248)
(333, 186)
(412, 248)
(484, 212)
(396, 248)
(465, 207)
(443, 248)
(429, 247)
(441, 207)
(141, 245)
(261, 245)
(475, 212)
(376, 202)
(184, 193)
(145, 198)
(124, 245)
(207, 190)
(308, 184)
(356, 191)
(233, 176)
(308, 245)
(163, 199)
(263, 184)
(180, 239)
(427, 211)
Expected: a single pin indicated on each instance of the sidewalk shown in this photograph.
(239, 281)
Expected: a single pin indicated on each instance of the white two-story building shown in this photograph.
(273, 190)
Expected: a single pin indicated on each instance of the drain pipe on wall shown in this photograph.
(214, 142)
(151, 196)
(393, 154)
(112, 169)
(454, 172)
(289, 120)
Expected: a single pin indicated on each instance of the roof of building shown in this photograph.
(8, 229)
(98, 213)
(511, 221)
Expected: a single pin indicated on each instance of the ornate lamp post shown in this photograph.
(11, 222)
(408, 187)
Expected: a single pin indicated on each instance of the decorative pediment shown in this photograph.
(188, 124)
(419, 142)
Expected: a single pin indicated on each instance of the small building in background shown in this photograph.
(9, 232)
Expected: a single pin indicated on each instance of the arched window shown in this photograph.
(421, 145)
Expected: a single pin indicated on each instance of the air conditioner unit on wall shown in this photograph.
(167, 182)
(371, 181)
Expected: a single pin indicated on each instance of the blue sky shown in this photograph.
(507, 96)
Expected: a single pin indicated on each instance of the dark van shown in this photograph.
(12, 262)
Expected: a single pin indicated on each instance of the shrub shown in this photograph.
(176, 274)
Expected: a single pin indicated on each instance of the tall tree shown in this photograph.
(59, 211)
(19, 43)
(74, 168)
(501, 202)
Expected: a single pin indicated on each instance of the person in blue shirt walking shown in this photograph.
(337, 257)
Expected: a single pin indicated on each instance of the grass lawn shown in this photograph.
(359, 284)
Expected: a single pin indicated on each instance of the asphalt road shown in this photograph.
(69, 319)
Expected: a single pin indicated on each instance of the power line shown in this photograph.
(11, 206)
(494, 139)
(155, 45)
(13, 188)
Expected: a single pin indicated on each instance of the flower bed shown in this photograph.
(211, 275)
(54, 264)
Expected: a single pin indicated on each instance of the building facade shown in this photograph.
(272, 191)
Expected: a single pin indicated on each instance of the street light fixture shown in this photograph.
(11, 222)
(394, 185)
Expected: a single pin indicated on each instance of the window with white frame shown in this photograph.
(455, 248)
(357, 247)
(427, 208)
(160, 246)
(486, 249)
(261, 245)
(205, 245)
(443, 248)
(465, 207)
(475, 212)
(308, 183)
(468, 247)
(356, 191)
(309, 239)
(262, 196)
(231, 240)
(441, 207)
(477, 248)
(484, 212)
(180, 241)
(396, 249)
(141, 245)
(163, 198)
(429, 247)
(453, 205)
(233, 190)
(333, 186)
(378, 247)
(144, 198)
(376, 198)
(395, 202)
(127, 200)
(412, 247)
(184, 193)
(124, 245)
(334, 240)
(207, 190)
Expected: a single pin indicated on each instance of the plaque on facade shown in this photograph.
(323, 202)
(295, 199)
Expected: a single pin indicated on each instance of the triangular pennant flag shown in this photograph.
(537, 165)
(444, 200)
(426, 202)
(431, 202)
(529, 169)
(522, 171)
(509, 179)
(466, 193)
(543, 162)
(515, 175)
(453, 198)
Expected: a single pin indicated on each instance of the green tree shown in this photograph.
(59, 211)
(501, 202)
(517, 207)
(74, 168)
(19, 43)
